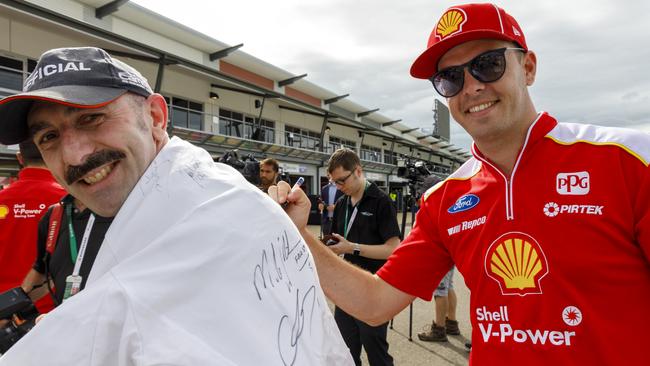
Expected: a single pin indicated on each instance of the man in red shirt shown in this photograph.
(21, 206)
(545, 222)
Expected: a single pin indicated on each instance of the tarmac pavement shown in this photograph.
(413, 352)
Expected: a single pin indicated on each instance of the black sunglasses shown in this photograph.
(487, 67)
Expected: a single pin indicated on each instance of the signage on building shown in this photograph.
(293, 168)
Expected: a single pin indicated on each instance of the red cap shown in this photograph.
(463, 23)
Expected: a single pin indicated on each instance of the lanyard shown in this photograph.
(73, 281)
(348, 225)
(77, 258)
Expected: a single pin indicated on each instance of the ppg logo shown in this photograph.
(464, 203)
(574, 184)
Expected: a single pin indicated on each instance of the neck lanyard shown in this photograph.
(73, 282)
(348, 225)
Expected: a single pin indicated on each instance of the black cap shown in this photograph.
(84, 77)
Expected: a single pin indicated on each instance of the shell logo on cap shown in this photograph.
(4, 210)
(451, 22)
(517, 263)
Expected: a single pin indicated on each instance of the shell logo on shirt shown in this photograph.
(451, 22)
(4, 210)
(517, 263)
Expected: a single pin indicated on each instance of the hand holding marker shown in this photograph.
(297, 185)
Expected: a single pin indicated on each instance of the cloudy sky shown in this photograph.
(593, 56)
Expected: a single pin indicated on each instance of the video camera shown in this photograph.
(283, 176)
(18, 308)
(414, 171)
(249, 167)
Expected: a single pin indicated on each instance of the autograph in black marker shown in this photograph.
(290, 329)
(272, 271)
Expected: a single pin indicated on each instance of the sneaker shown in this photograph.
(451, 327)
(435, 334)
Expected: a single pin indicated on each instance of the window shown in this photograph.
(390, 158)
(240, 125)
(370, 153)
(185, 113)
(304, 139)
(13, 72)
(336, 143)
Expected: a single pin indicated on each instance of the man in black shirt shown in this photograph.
(59, 265)
(365, 223)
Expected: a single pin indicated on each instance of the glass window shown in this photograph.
(185, 113)
(390, 158)
(304, 139)
(239, 125)
(370, 153)
(336, 143)
(11, 73)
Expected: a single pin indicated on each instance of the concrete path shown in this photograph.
(415, 352)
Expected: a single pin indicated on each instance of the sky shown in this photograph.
(593, 56)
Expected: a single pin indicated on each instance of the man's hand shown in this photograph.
(297, 203)
(342, 247)
(320, 207)
(330, 208)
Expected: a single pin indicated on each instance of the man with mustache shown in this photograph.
(180, 278)
(545, 222)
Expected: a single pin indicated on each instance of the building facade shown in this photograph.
(220, 98)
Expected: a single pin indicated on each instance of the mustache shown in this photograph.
(75, 172)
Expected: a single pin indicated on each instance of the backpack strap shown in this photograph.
(54, 226)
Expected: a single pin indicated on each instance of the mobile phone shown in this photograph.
(329, 239)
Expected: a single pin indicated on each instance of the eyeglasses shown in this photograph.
(341, 181)
(487, 67)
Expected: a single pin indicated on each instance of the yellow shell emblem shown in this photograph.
(517, 263)
(4, 210)
(450, 23)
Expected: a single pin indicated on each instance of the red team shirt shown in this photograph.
(556, 256)
(21, 206)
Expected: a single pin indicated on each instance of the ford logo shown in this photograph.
(464, 203)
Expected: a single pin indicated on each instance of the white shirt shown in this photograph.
(331, 198)
(198, 268)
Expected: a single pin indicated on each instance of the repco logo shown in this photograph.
(574, 184)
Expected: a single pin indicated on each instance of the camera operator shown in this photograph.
(269, 171)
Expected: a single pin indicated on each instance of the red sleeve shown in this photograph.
(419, 263)
(642, 214)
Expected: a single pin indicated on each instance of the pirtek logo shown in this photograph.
(517, 263)
(572, 183)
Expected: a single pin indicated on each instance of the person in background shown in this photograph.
(22, 205)
(365, 225)
(269, 171)
(76, 225)
(444, 322)
(329, 194)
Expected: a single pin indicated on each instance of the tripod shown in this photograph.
(408, 200)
